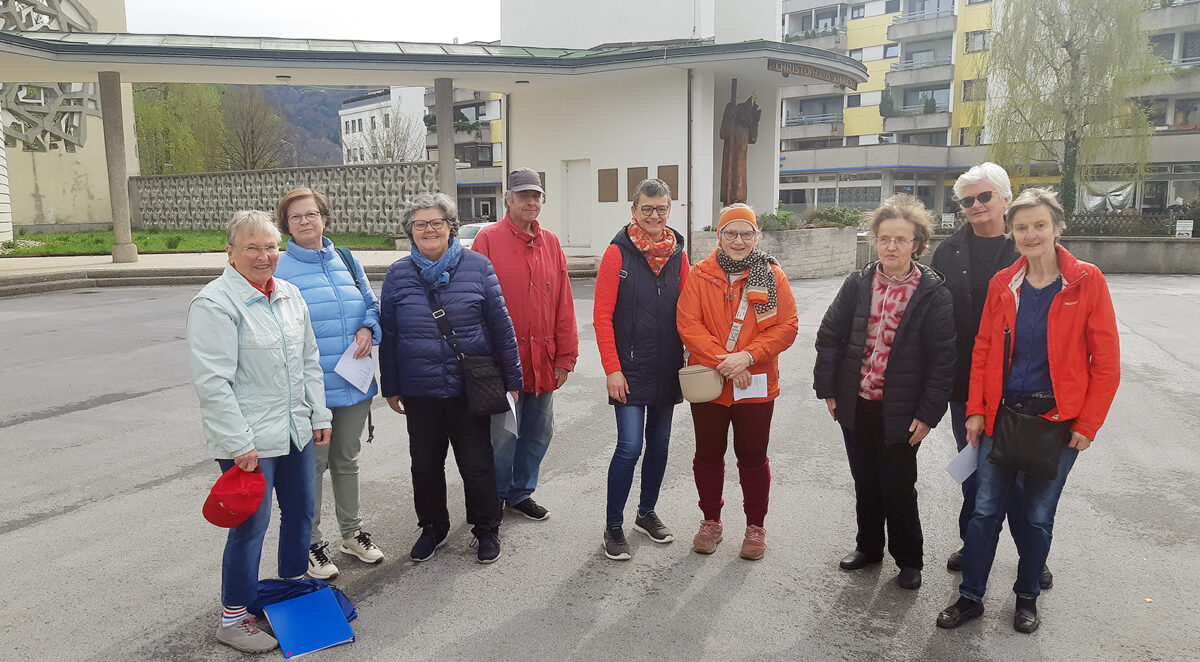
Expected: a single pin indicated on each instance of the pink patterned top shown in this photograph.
(889, 298)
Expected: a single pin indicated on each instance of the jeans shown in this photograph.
(638, 426)
(519, 458)
(751, 432)
(1039, 501)
(434, 424)
(958, 424)
(885, 492)
(291, 476)
(340, 457)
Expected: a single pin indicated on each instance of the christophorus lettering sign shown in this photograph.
(796, 69)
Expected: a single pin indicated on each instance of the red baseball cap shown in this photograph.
(235, 497)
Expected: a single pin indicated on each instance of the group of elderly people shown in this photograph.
(1006, 320)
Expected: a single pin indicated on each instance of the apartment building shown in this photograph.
(917, 123)
(478, 150)
(376, 126)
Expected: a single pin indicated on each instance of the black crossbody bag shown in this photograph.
(1024, 442)
(483, 381)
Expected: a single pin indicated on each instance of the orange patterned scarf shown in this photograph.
(657, 252)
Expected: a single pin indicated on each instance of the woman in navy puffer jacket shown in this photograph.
(422, 377)
(343, 314)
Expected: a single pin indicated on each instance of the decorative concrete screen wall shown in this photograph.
(802, 253)
(364, 198)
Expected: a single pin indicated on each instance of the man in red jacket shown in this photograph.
(532, 270)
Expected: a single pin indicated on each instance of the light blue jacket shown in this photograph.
(338, 310)
(254, 367)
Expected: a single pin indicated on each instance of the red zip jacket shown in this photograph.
(1081, 339)
(533, 276)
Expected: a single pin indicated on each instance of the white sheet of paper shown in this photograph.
(964, 464)
(510, 416)
(358, 372)
(757, 389)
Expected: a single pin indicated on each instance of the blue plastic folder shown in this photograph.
(309, 623)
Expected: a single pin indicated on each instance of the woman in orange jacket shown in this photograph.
(737, 290)
(1051, 317)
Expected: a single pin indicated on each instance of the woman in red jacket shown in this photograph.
(1063, 364)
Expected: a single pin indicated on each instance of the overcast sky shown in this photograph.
(380, 20)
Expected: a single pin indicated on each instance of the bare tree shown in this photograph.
(398, 137)
(255, 134)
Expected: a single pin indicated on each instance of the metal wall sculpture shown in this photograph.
(46, 116)
(363, 198)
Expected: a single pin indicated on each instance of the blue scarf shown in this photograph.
(437, 274)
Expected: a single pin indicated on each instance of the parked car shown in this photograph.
(466, 233)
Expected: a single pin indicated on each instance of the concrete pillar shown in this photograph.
(118, 174)
(443, 112)
(6, 227)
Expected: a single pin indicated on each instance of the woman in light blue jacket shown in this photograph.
(344, 312)
(255, 368)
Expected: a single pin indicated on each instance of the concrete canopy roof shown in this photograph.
(79, 57)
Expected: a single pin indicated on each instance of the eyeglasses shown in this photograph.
(969, 201)
(259, 250)
(902, 242)
(310, 216)
(436, 224)
(745, 235)
(648, 210)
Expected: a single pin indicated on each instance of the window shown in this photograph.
(795, 196)
(827, 195)
(968, 135)
(853, 100)
(347, 129)
(891, 50)
(977, 2)
(937, 138)
(372, 122)
(1187, 113)
(858, 11)
(915, 98)
(974, 90)
(891, 6)
(387, 120)
(359, 123)
(860, 196)
(1191, 46)
(851, 141)
(1164, 45)
(1155, 109)
(856, 54)
(979, 40)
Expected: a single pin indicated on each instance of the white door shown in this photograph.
(577, 203)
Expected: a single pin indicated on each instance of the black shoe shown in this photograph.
(653, 527)
(856, 559)
(489, 547)
(909, 578)
(1046, 581)
(615, 545)
(954, 563)
(431, 538)
(530, 509)
(1025, 618)
(958, 613)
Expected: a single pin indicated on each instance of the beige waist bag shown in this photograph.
(701, 383)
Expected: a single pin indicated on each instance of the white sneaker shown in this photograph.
(319, 565)
(246, 637)
(362, 547)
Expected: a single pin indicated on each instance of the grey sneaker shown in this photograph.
(319, 565)
(615, 545)
(360, 545)
(246, 637)
(653, 527)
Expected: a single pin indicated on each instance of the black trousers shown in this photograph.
(434, 424)
(885, 479)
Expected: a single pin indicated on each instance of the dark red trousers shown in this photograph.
(751, 432)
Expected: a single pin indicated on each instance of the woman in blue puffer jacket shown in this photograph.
(344, 312)
(422, 377)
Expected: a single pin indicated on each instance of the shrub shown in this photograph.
(848, 217)
(930, 106)
(173, 241)
(780, 220)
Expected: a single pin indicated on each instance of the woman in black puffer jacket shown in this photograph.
(885, 367)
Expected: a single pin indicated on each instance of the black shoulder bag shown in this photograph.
(483, 382)
(1024, 442)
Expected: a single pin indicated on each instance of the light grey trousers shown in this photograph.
(340, 457)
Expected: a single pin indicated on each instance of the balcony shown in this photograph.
(481, 135)
(1182, 14)
(1183, 79)
(920, 72)
(914, 118)
(830, 39)
(922, 25)
(799, 127)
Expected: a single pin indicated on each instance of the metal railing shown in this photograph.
(910, 65)
(801, 120)
(1120, 225)
(912, 17)
(1186, 61)
(919, 109)
(1172, 3)
(815, 33)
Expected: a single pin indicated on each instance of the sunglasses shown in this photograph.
(969, 201)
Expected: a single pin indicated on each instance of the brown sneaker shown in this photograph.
(755, 544)
(706, 540)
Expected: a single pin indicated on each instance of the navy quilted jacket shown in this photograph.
(414, 359)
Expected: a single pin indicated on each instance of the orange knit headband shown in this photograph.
(738, 214)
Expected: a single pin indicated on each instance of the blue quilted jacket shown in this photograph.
(414, 359)
(338, 310)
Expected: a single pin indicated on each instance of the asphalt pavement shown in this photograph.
(107, 556)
